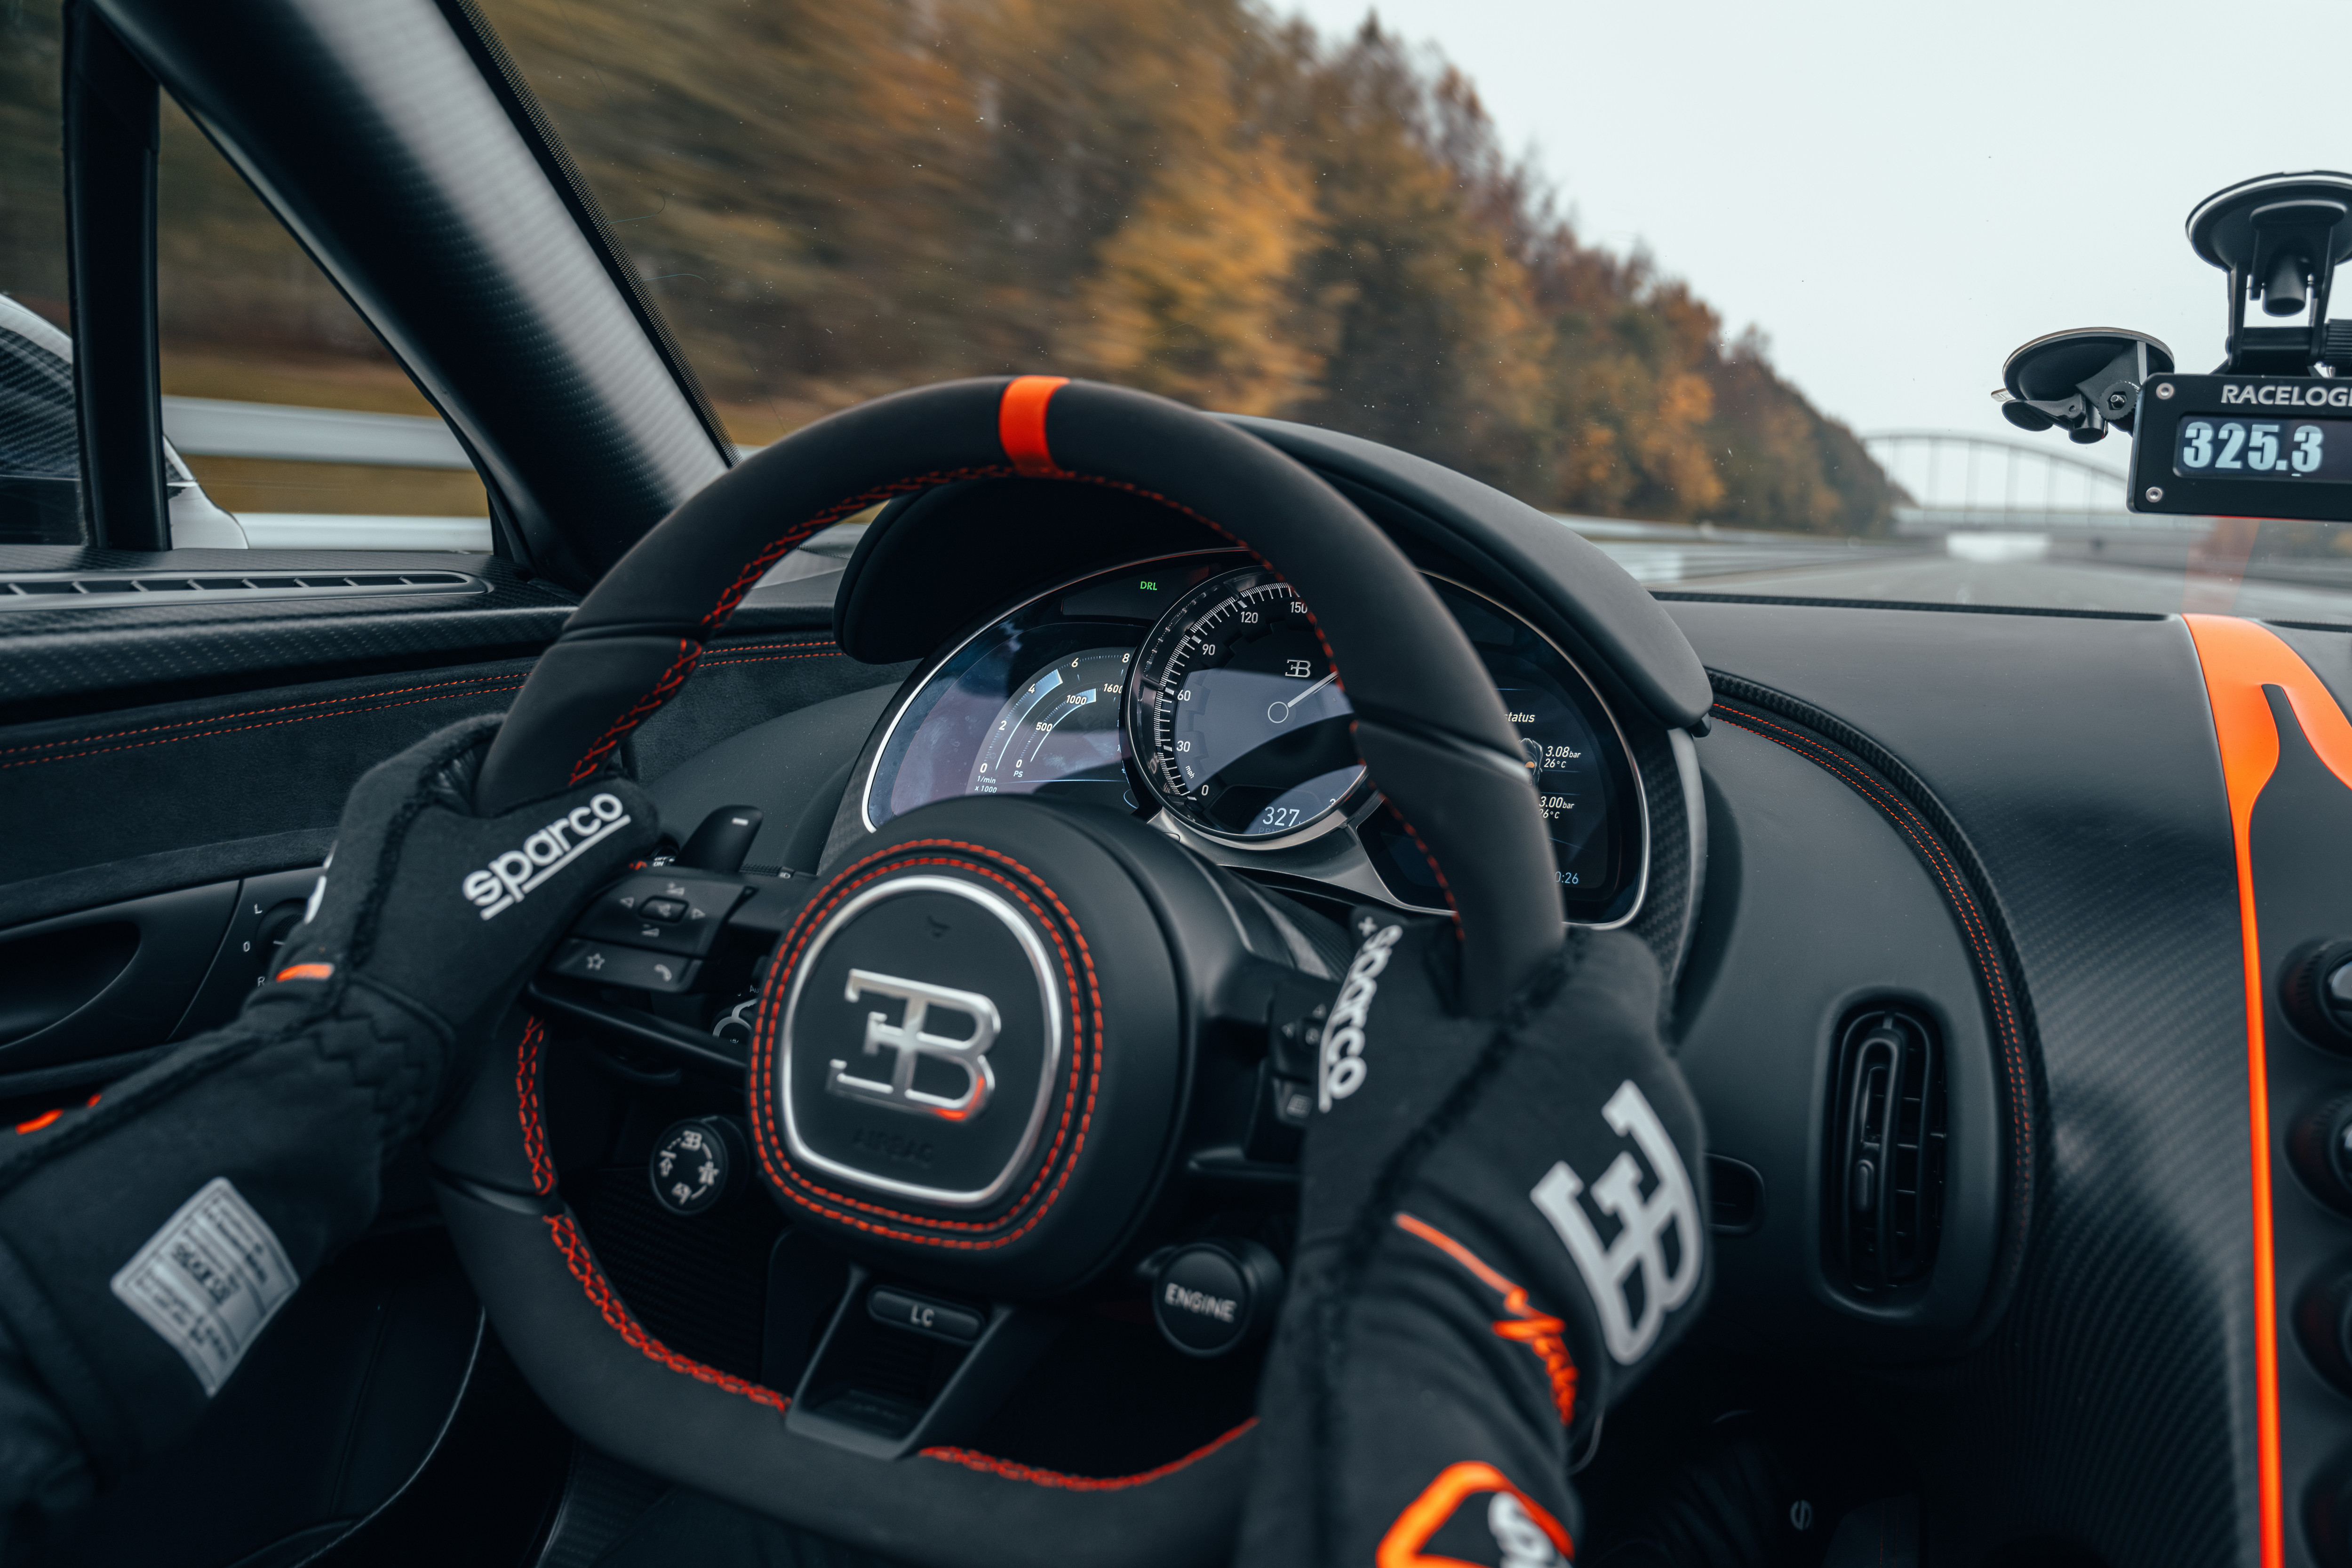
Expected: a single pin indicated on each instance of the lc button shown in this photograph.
(903, 1310)
(1212, 1296)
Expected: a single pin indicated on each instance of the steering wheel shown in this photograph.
(1091, 954)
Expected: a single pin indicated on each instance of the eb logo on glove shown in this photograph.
(1644, 1224)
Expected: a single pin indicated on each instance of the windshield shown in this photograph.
(1724, 288)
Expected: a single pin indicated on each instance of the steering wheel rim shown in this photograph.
(1427, 722)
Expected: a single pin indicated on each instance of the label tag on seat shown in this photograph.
(209, 1281)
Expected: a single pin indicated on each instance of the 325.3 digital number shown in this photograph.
(2250, 446)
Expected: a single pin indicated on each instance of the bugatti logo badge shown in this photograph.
(910, 1043)
(1642, 1223)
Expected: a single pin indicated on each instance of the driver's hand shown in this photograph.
(436, 912)
(1502, 1223)
(148, 1238)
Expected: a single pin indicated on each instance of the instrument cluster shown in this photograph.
(1194, 689)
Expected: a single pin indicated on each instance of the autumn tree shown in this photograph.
(1193, 296)
(830, 199)
(1433, 343)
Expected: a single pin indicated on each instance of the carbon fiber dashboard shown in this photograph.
(2115, 1403)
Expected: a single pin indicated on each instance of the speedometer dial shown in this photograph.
(1237, 717)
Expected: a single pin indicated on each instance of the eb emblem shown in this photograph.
(1642, 1223)
(912, 1043)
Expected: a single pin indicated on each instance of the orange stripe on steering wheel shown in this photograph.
(2238, 658)
(1021, 424)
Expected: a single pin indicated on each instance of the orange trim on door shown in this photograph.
(2239, 659)
(1020, 424)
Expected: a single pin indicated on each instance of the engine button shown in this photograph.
(1212, 1297)
(696, 1164)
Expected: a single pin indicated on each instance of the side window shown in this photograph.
(38, 461)
(40, 502)
(288, 425)
(279, 397)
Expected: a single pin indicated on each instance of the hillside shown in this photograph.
(832, 198)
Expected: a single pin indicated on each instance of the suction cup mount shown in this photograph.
(2080, 381)
(2279, 238)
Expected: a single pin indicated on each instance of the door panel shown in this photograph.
(160, 853)
(268, 908)
(70, 654)
(107, 980)
(146, 780)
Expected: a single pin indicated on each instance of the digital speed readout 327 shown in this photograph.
(1235, 716)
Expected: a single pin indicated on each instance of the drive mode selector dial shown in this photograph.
(695, 1164)
(1236, 717)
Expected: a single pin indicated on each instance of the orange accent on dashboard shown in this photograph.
(2239, 659)
(1021, 424)
(307, 972)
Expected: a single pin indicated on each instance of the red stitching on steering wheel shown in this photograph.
(747, 578)
(534, 1130)
(616, 1312)
(1012, 1470)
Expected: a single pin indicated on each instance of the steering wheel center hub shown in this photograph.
(970, 1046)
(920, 1042)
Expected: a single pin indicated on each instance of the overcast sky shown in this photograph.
(1899, 194)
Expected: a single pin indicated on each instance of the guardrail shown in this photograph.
(287, 433)
(214, 427)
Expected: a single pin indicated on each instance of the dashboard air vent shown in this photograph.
(113, 589)
(1886, 1126)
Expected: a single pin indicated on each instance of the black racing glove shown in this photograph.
(432, 910)
(148, 1238)
(1501, 1223)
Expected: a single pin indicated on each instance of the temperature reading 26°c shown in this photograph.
(2265, 448)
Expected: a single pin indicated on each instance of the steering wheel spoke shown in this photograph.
(661, 987)
(903, 1366)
